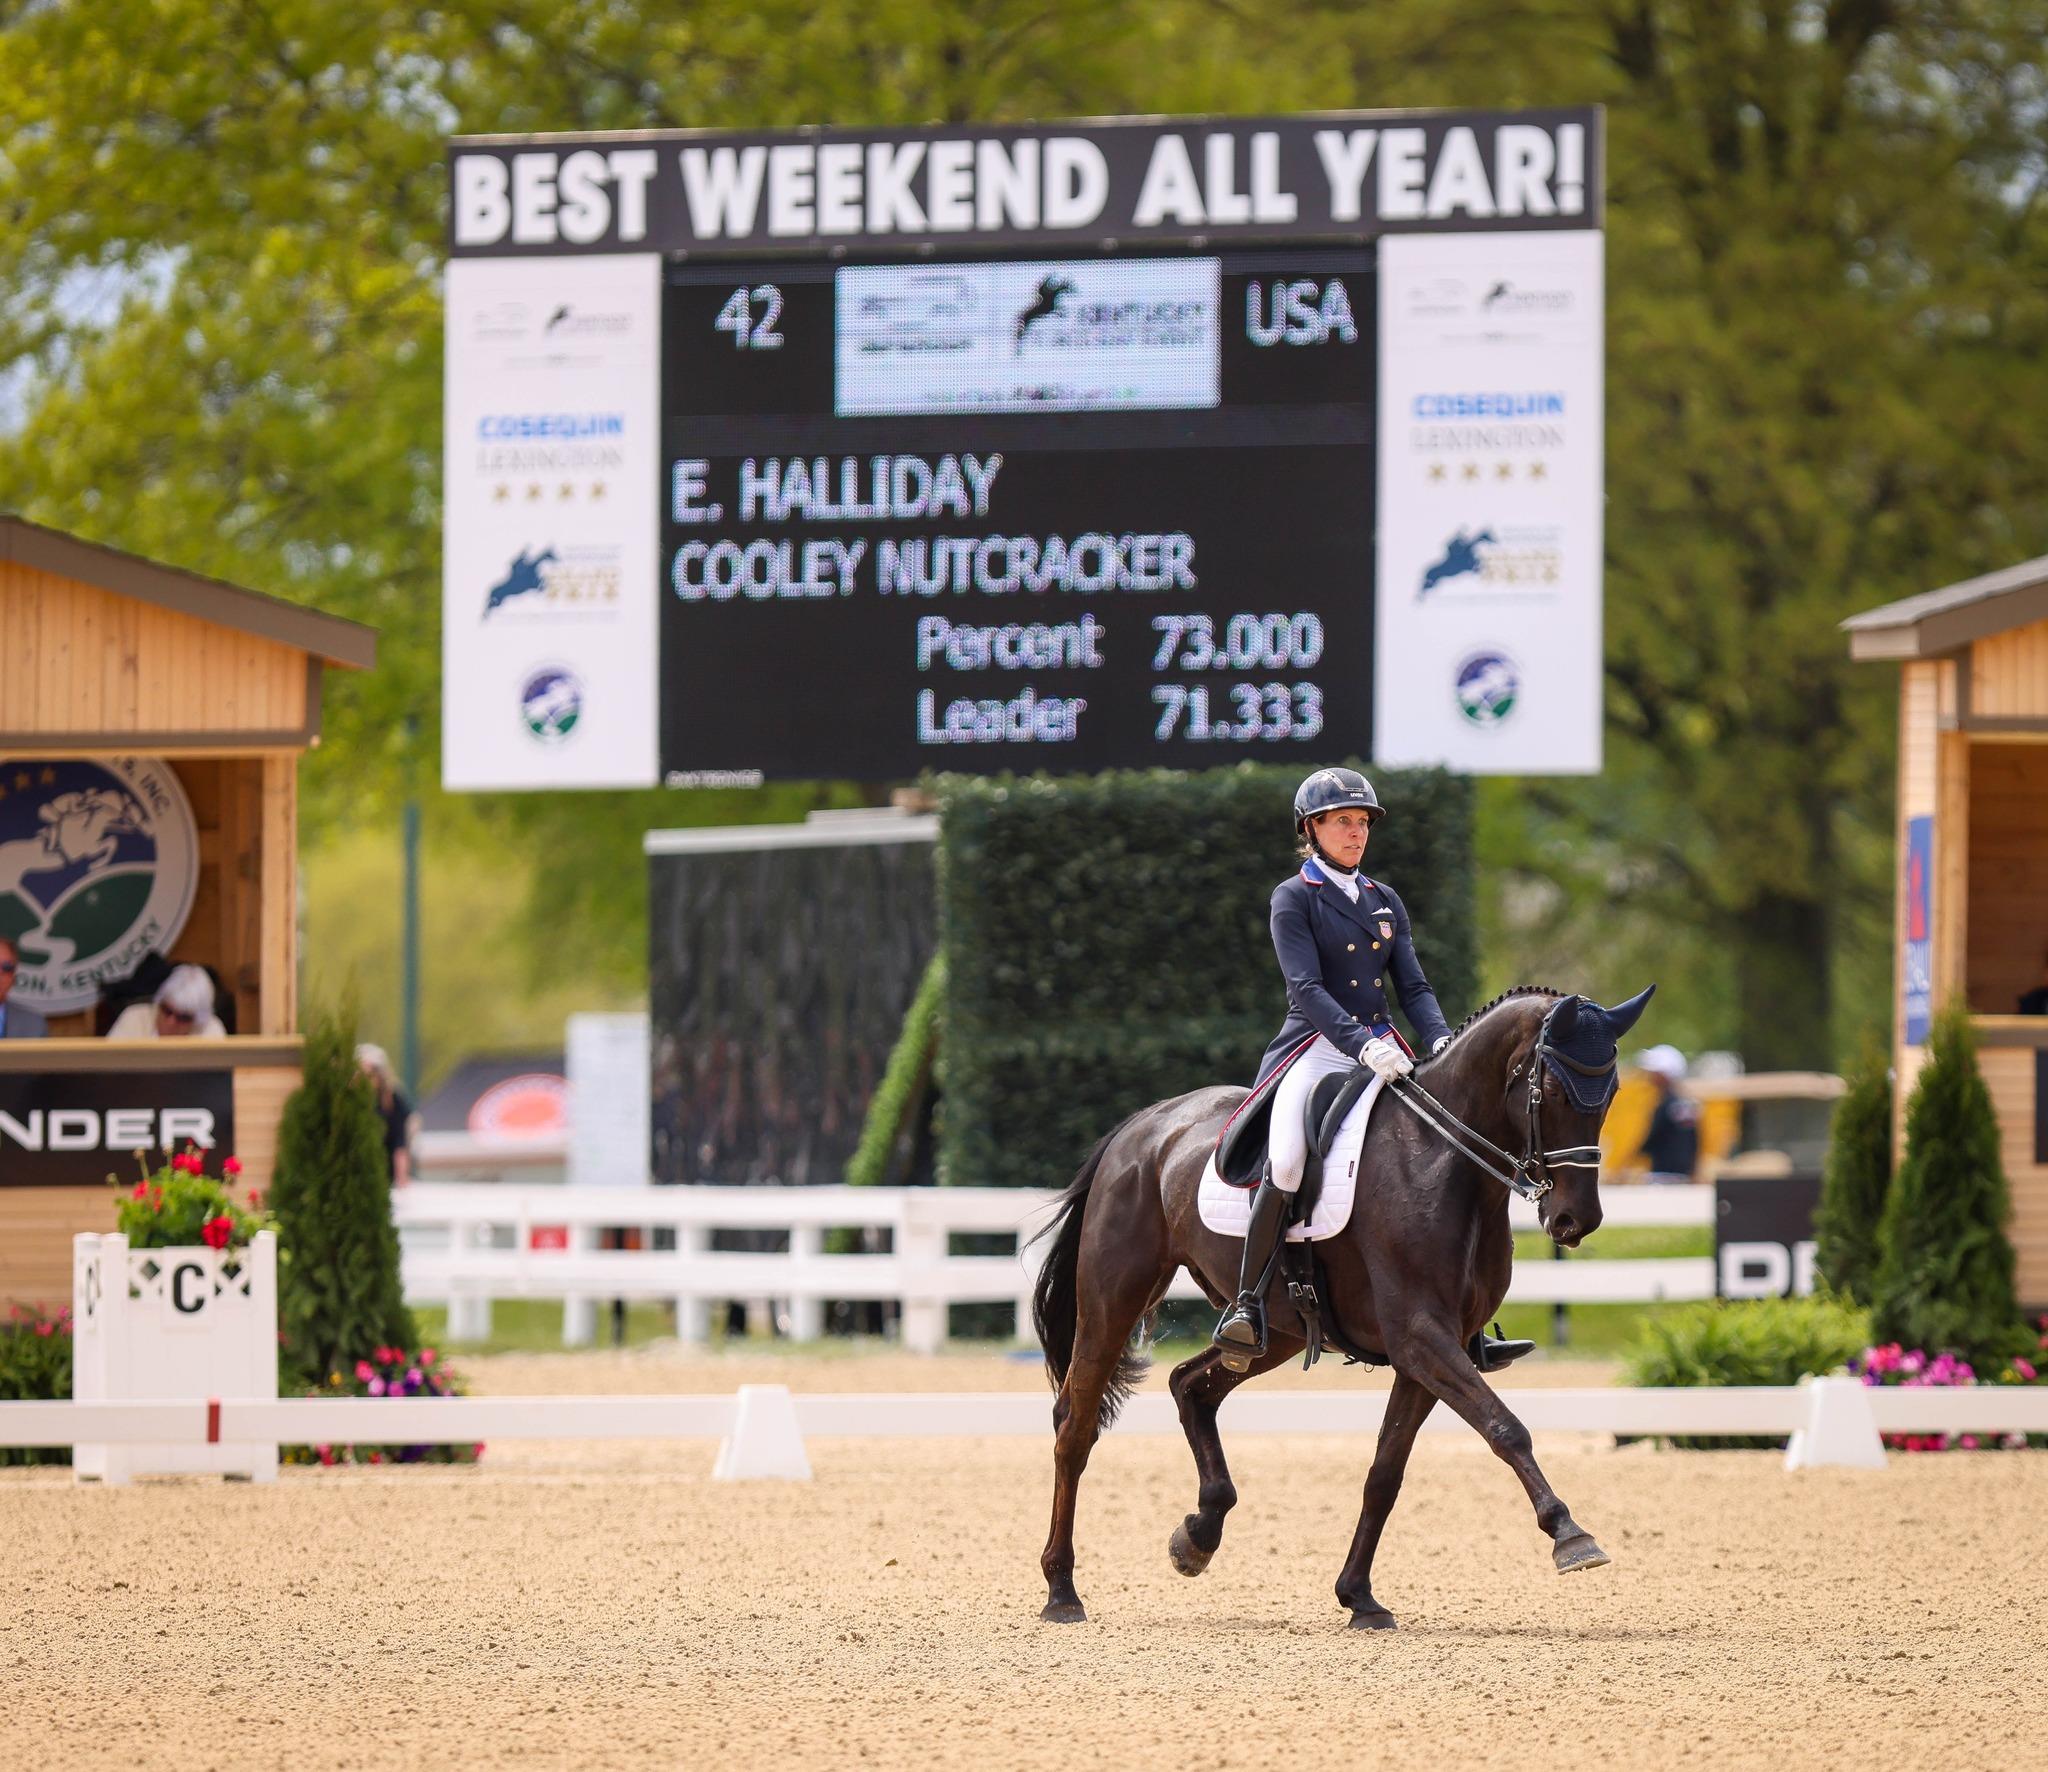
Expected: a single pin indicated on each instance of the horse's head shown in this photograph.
(1561, 1081)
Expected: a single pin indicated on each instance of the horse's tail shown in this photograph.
(1055, 1300)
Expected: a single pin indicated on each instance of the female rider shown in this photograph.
(1342, 939)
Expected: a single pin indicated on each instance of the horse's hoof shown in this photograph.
(1579, 1552)
(1188, 1556)
(1373, 1618)
(1064, 1612)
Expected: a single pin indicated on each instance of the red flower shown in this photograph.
(218, 1232)
(232, 1167)
(255, 1198)
(141, 1191)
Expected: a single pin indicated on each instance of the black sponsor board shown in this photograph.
(74, 1129)
(1763, 1235)
(1028, 515)
(1136, 182)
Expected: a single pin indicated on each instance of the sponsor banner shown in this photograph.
(1916, 979)
(1137, 181)
(551, 451)
(1763, 1235)
(78, 1128)
(99, 863)
(1117, 335)
(1489, 491)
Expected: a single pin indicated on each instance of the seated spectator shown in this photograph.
(1672, 1145)
(17, 1020)
(2035, 1001)
(183, 1008)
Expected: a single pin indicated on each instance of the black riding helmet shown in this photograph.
(1333, 790)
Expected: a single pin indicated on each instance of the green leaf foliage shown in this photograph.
(1760, 1341)
(35, 1367)
(331, 1198)
(899, 1109)
(1107, 945)
(1944, 1278)
(1857, 1176)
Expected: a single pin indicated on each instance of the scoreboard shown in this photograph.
(1161, 442)
(1017, 514)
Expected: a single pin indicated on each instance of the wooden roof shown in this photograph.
(1944, 621)
(326, 637)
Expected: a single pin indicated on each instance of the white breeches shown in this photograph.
(1287, 1142)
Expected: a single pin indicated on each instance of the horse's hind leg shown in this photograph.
(1102, 1356)
(1199, 1386)
(1408, 1405)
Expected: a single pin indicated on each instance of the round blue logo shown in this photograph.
(551, 703)
(1488, 685)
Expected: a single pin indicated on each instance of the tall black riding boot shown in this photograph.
(1242, 1332)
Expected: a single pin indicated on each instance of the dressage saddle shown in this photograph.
(1241, 1161)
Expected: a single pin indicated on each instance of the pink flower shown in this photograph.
(428, 1356)
(46, 1328)
(365, 1371)
(326, 1454)
(415, 1376)
(1969, 1442)
(2025, 1368)
(1913, 1363)
(376, 1387)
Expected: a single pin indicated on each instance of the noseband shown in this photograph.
(1588, 1087)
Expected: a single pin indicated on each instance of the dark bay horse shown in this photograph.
(1422, 1265)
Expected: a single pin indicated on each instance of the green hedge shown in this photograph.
(889, 1133)
(1106, 944)
(1764, 1341)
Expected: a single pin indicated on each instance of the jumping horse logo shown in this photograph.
(1045, 305)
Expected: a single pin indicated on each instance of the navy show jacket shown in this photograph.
(1338, 959)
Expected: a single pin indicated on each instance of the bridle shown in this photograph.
(1529, 1175)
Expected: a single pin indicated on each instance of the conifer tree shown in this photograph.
(1945, 1266)
(1856, 1180)
(341, 1298)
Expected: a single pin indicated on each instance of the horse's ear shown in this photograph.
(1624, 1016)
(1563, 1020)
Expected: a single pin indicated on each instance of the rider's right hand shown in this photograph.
(1385, 1059)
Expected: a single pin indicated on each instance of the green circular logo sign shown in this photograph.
(99, 863)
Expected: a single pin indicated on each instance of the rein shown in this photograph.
(1527, 1176)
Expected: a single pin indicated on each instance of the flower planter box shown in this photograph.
(168, 1325)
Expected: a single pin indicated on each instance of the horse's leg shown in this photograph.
(1101, 1340)
(1427, 1348)
(1199, 1386)
(1408, 1406)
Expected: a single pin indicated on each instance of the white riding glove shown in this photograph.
(1385, 1059)
(1442, 1040)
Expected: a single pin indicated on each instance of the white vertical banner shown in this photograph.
(611, 1140)
(551, 439)
(1491, 478)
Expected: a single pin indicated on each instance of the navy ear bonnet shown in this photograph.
(1579, 1042)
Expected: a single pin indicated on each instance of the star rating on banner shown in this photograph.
(1438, 472)
(565, 492)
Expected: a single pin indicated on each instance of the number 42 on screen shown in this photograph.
(737, 318)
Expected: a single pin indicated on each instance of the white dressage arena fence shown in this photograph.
(150, 1325)
(763, 1430)
(466, 1245)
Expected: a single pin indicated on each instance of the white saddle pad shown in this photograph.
(1227, 1210)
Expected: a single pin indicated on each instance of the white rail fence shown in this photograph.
(467, 1245)
(1831, 1421)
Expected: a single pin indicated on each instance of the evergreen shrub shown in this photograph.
(1857, 1176)
(1944, 1279)
(897, 1113)
(331, 1197)
(1106, 943)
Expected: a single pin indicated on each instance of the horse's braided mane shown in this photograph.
(1486, 1009)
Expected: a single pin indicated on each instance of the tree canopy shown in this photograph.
(1827, 319)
